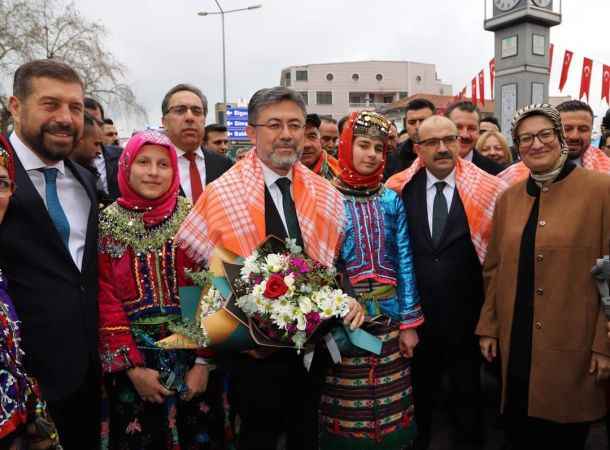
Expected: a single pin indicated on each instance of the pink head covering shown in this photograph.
(157, 210)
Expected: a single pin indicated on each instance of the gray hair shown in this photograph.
(184, 87)
(271, 96)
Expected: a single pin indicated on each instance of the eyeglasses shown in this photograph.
(277, 127)
(7, 187)
(180, 110)
(546, 136)
(435, 143)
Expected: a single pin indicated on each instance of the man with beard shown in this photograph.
(465, 115)
(577, 121)
(314, 157)
(329, 135)
(107, 161)
(417, 111)
(110, 133)
(449, 203)
(48, 246)
(184, 110)
(270, 192)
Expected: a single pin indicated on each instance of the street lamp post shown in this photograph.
(222, 13)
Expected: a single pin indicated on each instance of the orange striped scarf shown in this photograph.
(231, 213)
(478, 191)
(592, 159)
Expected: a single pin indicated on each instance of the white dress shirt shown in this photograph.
(100, 164)
(276, 194)
(185, 175)
(468, 157)
(448, 192)
(72, 195)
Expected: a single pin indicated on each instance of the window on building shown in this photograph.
(403, 94)
(324, 98)
(305, 96)
(379, 77)
(301, 75)
(286, 79)
(355, 77)
(357, 98)
(330, 77)
(388, 98)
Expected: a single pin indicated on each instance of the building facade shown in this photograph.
(335, 89)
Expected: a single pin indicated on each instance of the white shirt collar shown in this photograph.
(469, 155)
(29, 159)
(271, 177)
(198, 153)
(431, 179)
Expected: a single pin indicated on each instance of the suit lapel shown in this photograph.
(422, 203)
(456, 225)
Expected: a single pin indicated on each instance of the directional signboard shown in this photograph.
(236, 121)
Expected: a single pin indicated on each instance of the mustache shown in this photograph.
(442, 155)
(59, 128)
(290, 144)
(465, 140)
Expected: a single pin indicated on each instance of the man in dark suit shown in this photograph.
(107, 162)
(184, 110)
(416, 112)
(449, 279)
(48, 244)
(465, 115)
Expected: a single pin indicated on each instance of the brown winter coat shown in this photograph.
(568, 323)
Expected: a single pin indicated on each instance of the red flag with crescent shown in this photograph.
(482, 87)
(567, 60)
(551, 49)
(492, 75)
(474, 90)
(585, 80)
(606, 84)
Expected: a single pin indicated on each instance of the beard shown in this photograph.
(287, 161)
(39, 141)
(575, 153)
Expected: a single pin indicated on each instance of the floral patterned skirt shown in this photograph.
(133, 424)
(367, 400)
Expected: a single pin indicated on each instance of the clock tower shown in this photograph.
(522, 30)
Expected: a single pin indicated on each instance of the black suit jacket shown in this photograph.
(400, 160)
(111, 155)
(215, 166)
(449, 276)
(486, 164)
(56, 302)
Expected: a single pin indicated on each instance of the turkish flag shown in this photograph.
(606, 84)
(492, 75)
(585, 80)
(482, 87)
(474, 90)
(567, 60)
(551, 48)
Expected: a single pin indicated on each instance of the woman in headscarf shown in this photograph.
(542, 309)
(367, 398)
(24, 421)
(151, 392)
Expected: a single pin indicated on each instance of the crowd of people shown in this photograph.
(459, 250)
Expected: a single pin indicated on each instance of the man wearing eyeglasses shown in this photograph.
(184, 110)
(449, 203)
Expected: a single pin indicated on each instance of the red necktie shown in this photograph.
(196, 186)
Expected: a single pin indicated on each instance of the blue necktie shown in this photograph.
(58, 216)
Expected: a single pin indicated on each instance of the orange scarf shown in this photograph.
(327, 166)
(231, 213)
(592, 159)
(478, 191)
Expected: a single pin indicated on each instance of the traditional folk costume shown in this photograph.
(20, 402)
(542, 304)
(592, 159)
(140, 271)
(448, 271)
(367, 399)
(273, 395)
(327, 166)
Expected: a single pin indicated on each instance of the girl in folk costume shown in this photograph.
(366, 400)
(24, 419)
(151, 392)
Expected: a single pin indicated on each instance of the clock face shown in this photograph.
(542, 3)
(505, 5)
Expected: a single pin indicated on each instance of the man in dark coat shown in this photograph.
(48, 248)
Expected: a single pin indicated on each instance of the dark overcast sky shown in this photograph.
(165, 42)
